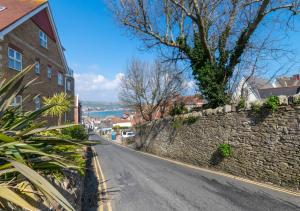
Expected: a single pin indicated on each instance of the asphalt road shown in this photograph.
(145, 183)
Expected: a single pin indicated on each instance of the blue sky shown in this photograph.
(98, 49)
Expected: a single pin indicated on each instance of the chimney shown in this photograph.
(296, 77)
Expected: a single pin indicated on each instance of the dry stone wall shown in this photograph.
(265, 145)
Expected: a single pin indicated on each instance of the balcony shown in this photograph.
(70, 73)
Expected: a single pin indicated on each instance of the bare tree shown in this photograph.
(149, 88)
(214, 36)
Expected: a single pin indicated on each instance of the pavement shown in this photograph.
(139, 182)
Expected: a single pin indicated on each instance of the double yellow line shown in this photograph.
(101, 179)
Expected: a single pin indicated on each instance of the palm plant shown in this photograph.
(61, 104)
(25, 153)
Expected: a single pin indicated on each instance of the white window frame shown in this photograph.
(60, 79)
(37, 67)
(69, 84)
(14, 59)
(35, 102)
(43, 39)
(17, 101)
(49, 72)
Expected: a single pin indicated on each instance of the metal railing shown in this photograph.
(70, 72)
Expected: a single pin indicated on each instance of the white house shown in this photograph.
(249, 89)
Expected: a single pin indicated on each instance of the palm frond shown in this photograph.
(42, 184)
(9, 195)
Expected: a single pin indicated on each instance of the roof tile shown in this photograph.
(16, 9)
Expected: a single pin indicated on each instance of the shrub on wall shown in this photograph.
(297, 101)
(178, 109)
(117, 128)
(176, 123)
(225, 150)
(190, 120)
(76, 132)
(256, 107)
(242, 104)
(272, 103)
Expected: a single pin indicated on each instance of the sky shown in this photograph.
(98, 49)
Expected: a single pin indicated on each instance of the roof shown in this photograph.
(190, 100)
(16, 12)
(287, 81)
(288, 91)
(258, 83)
(16, 9)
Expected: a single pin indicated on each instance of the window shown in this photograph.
(69, 85)
(17, 101)
(37, 67)
(43, 39)
(14, 59)
(37, 102)
(60, 79)
(49, 72)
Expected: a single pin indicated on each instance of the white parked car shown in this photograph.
(127, 134)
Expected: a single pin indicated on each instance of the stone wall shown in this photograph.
(265, 145)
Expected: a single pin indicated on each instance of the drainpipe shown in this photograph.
(65, 78)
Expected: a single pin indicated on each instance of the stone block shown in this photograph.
(296, 98)
(197, 114)
(227, 108)
(208, 111)
(248, 106)
(233, 108)
(217, 110)
(220, 110)
(283, 100)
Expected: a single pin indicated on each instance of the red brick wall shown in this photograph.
(26, 39)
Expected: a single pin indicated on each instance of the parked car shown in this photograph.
(127, 134)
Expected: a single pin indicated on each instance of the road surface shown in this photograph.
(145, 183)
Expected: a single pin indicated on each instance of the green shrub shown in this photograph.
(72, 152)
(116, 128)
(27, 156)
(190, 120)
(225, 150)
(297, 101)
(256, 107)
(138, 126)
(178, 109)
(242, 104)
(272, 103)
(76, 132)
(176, 123)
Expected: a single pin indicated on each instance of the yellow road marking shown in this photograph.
(108, 203)
(100, 208)
(217, 173)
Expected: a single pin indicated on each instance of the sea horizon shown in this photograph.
(106, 113)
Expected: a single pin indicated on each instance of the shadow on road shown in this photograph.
(246, 200)
(93, 196)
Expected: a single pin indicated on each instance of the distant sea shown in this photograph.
(104, 114)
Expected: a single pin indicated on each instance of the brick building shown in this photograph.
(28, 35)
